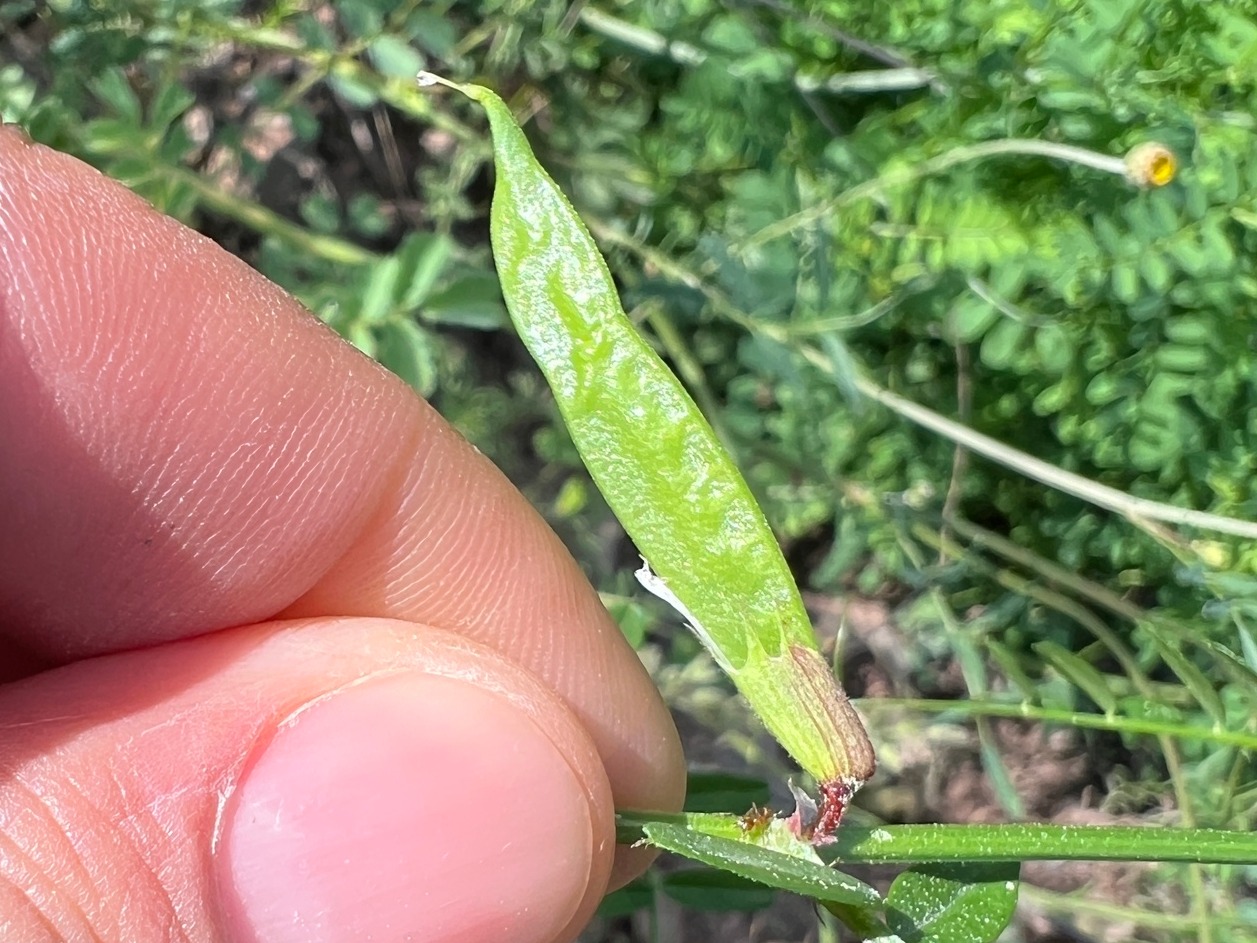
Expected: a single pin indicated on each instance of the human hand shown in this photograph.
(284, 658)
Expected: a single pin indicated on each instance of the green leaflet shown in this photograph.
(678, 494)
(765, 852)
(953, 903)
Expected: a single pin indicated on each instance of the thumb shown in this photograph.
(322, 781)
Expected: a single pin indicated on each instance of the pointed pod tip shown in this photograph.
(477, 93)
(427, 79)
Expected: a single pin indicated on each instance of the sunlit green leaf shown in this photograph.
(952, 903)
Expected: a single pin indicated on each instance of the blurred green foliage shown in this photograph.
(1104, 326)
(782, 194)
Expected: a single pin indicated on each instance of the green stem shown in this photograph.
(903, 175)
(1048, 570)
(392, 90)
(919, 843)
(654, 44)
(1053, 573)
(1053, 600)
(1071, 906)
(1043, 472)
(1042, 843)
(846, 322)
(1117, 723)
(270, 223)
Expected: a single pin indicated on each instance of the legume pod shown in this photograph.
(673, 487)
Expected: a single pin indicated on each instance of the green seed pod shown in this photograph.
(711, 553)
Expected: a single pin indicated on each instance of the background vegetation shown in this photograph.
(800, 206)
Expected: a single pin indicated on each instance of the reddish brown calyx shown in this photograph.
(817, 822)
(835, 796)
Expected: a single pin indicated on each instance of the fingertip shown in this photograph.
(325, 781)
(333, 834)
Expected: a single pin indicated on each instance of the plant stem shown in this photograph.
(652, 43)
(269, 223)
(1042, 843)
(1116, 723)
(1072, 905)
(919, 843)
(957, 155)
(1091, 491)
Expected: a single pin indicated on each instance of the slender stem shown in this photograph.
(958, 155)
(1053, 600)
(865, 80)
(960, 457)
(846, 322)
(1117, 723)
(1023, 842)
(1089, 590)
(1042, 843)
(1050, 475)
(1071, 905)
(1006, 308)
(269, 223)
(640, 38)
(974, 674)
(885, 54)
(1048, 570)
(401, 93)
(654, 44)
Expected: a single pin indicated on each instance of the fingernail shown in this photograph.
(412, 807)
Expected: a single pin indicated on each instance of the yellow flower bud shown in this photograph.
(1150, 165)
